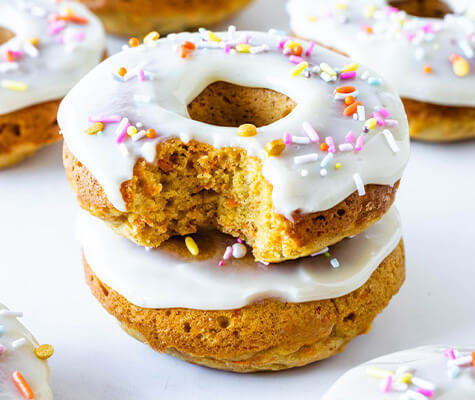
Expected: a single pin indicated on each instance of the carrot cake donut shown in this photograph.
(213, 304)
(137, 17)
(45, 48)
(282, 143)
(430, 372)
(24, 372)
(428, 57)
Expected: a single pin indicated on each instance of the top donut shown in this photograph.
(278, 141)
(426, 59)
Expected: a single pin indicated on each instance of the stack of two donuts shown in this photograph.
(239, 190)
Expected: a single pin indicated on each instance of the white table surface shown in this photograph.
(41, 274)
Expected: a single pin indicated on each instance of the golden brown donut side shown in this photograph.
(268, 335)
(24, 131)
(439, 123)
(125, 17)
(194, 185)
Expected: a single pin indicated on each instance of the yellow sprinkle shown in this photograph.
(299, 68)
(131, 130)
(370, 11)
(247, 130)
(326, 68)
(192, 246)
(44, 351)
(151, 37)
(16, 86)
(312, 18)
(291, 44)
(371, 123)
(275, 147)
(461, 67)
(379, 372)
(406, 378)
(213, 37)
(34, 41)
(337, 165)
(95, 128)
(341, 6)
(243, 48)
(68, 11)
(350, 67)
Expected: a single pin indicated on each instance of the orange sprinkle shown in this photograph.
(134, 42)
(297, 50)
(151, 133)
(122, 71)
(427, 69)
(9, 56)
(75, 19)
(345, 89)
(351, 109)
(324, 147)
(184, 52)
(349, 100)
(453, 57)
(369, 30)
(189, 45)
(22, 385)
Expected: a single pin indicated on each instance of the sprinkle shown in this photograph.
(22, 385)
(151, 133)
(56, 27)
(306, 158)
(2, 330)
(453, 372)
(326, 160)
(15, 86)
(405, 377)
(427, 69)
(151, 37)
(131, 130)
(378, 117)
(391, 142)
(308, 53)
(343, 96)
(134, 42)
(337, 165)
(371, 123)
(422, 383)
(378, 372)
(122, 71)
(350, 68)
(348, 75)
(8, 313)
(466, 48)
(228, 253)
(106, 119)
(345, 147)
(312, 133)
(381, 110)
(298, 69)
(287, 138)
(352, 108)
(239, 250)
(373, 81)
(359, 184)
(461, 67)
(18, 343)
(231, 32)
(140, 134)
(350, 137)
(141, 75)
(404, 369)
(296, 59)
(334, 263)
(121, 130)
(345, 89)
(259, 49)
(243, 48)
(324, 147)
(386, 383)
(450, 354)
(359, 143)
(360, 110)
(461, 361)
(31, 50)
(326, 68)
(213, 37)
(413, 395)
(247, 130)
(95, 128)
(300, 140)
(349, 100)
(323, 251)
(425, 392)
(275, 147)
(331, 144)
(323, 172)
(192, 246)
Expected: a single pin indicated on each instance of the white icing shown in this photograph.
(428, 363)
(57, 67)
(160, 278)
(388, 50)
(23, 359)
(178, 81)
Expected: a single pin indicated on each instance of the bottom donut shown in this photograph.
(240, 317)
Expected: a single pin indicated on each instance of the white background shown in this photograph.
(41, 274)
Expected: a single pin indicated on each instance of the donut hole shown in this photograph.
(225, 104)
(5, 35)
(423, 8)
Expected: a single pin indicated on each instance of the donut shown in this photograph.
(436, 372)
(232, 131)
(45, 48)
(243, 316)
(426, 50)
(138, 17)
(24, 372)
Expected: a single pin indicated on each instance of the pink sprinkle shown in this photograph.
(391, 122)
(106, 119)
(227, 49)
(142, 75)
(350, 137)
(384, 113)
(331, 144)
(359, 143)
(386, 385)
(310, 49)
(282, 43)
(296, 59)
(16, 53)
(287, 51)
(227, 253)
(287, 138)
(450, 353)
(392, 10)
(56, 27)
(428, 28)
(426, 392)
(240, 240)
(123, 134)
(311, 133)
(59, 39)
(221, 263)
(348, 75)
(410, 36)
(379, 119)
(80, 36)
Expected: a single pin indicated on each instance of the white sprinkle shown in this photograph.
(239, 250)
(334, 262)
(323, 251)
(345, 147)
(466, 48)
(365, 75)
(259, 49)
(327, 77)
(8, 313)
(31, 50)
(422, 383)
(139, 135)
(323, 172)
(453, 372)
(123, 149)
(208, 45)
(306, 158)
(404, 369)
(138, 125)
(231, 32)
(399, 386)
(413, 395)
(316, 69)
(122, 124)
(361, 113)
(312, 133)
(148, 151)
(300, 140)
(8, 66)
(140, 98)
(460, 361)
(18, 343)
(359, 184)
(342, 96)
(304, 172)
(391, 142)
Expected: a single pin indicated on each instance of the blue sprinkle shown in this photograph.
(2, 330)
(326, 160)
(453, 372)
(373, 81)
(117, 78)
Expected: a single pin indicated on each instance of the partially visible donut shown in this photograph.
(428, 57)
